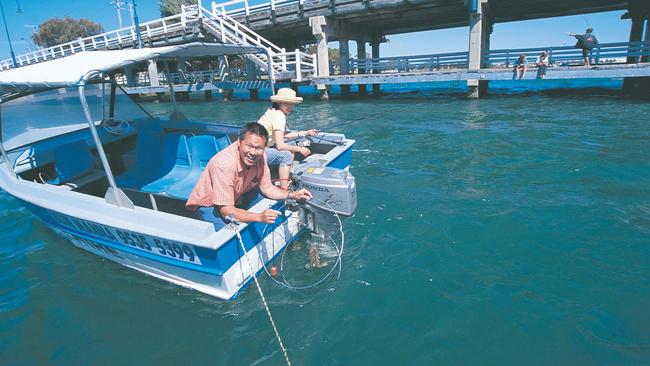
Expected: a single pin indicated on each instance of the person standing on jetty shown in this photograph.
(586, 42)
(542, 65)
(232, 179)
(278, 152)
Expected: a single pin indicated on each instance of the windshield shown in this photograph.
(34, 117)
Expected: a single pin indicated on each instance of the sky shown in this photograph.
(608, 27)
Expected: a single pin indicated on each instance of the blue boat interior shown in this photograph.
(75, 166)
(171, 164)
(156, 167)
(73, 161)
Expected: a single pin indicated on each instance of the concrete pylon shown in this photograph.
(344, 49)
(128, 73)
(251, 75)
(646, 40)
(152, 68)
(375, 54)
(361, 54)
(317, 25)
(480, 27)
(251, 70)
(638, 11)
(636, 33)
(223, 66)
(182, 70)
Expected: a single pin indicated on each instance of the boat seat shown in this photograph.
(148, 165)
(176, 164)
(74, 165)
(202, 148)
(222, 142)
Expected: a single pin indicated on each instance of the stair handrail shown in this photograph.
(240, 28)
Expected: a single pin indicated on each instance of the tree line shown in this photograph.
(62, 30)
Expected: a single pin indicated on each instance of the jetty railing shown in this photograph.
(177, 78)
(234, 77)
(605, 53)
(608, 53)
(410, 63)
(271, 6)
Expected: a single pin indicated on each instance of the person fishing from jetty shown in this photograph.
(586, 42)
(233, 179)
(519, 70)
(278, 152)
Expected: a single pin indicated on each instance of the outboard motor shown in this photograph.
(334, 192)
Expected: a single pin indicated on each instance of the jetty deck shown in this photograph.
(562, 72)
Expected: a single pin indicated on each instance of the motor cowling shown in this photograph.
(333, 190)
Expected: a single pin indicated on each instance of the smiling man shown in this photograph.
(234, 173)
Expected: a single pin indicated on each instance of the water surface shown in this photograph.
(508, 230)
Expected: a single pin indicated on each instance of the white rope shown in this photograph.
(259, 288)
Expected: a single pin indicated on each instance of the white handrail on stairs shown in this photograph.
(282, 62)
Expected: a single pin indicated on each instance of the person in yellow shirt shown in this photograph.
(278, 151)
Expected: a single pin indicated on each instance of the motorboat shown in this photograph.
(89, 161)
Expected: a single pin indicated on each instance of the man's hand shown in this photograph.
(300, 195)
(305, 151)
(268, 216)
(312, 132)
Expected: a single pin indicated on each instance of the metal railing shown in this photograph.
(235, 77)
(176, 78)
(271, 6)
(605, 53)
(410, 63)
(283, 64)
(125, 37)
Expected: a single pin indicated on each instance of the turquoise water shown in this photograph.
(508, 230)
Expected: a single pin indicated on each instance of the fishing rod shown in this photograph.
(345, 122)
(322, 138)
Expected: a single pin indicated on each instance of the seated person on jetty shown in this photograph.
(234, 173)
(521, 66)
(278, 152)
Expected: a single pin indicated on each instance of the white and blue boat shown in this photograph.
(93, 165)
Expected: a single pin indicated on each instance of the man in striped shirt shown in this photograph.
(233, 172)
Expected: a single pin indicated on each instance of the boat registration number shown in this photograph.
(166, 248)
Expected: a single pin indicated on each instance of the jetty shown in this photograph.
(281, 28)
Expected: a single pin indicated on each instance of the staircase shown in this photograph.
(293, 65)
(193, 23)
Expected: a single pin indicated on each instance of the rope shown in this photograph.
(259, 289)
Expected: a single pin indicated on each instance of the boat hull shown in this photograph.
(200, 269)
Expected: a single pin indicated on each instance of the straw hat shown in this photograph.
(286, 95)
